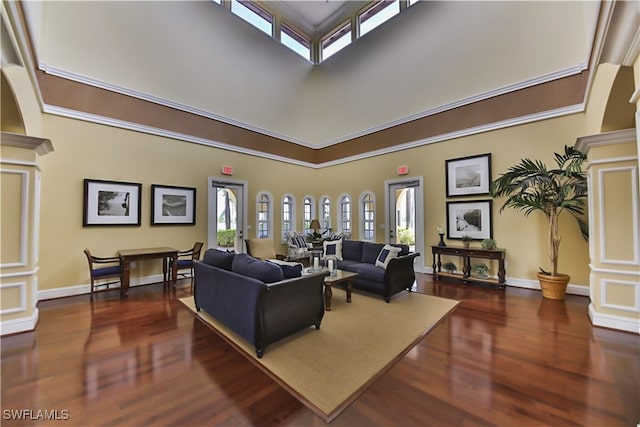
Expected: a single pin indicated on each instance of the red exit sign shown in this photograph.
(227, 170)
(403, 170)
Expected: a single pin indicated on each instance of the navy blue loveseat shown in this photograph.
(360, 257)
(254, 299)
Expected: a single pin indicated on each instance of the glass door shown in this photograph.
(405, 215)
(226, 216)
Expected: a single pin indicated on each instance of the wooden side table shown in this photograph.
(467, 254)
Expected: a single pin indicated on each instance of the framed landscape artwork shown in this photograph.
(111, 203)
(473, 218)
(468, 176)
(173, 205)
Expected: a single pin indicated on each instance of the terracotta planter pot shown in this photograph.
(553, 287)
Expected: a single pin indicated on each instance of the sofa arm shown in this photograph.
(228, 297)
(399, 274)
(289, 306)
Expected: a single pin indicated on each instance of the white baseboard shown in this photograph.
(21, 324)
(69, 291)
(614, 322)
(534, 284)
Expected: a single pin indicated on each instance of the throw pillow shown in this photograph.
(332, 248)
(387, 253)
(298, 241)
(290, 270)
(218, 258)
(262, 270)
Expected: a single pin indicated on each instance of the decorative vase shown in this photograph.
(466, 244)
(553, 287)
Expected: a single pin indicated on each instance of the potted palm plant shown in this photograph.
(531, 187)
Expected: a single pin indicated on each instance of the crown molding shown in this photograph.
(567, 72)
(584, 143)
(107, 121)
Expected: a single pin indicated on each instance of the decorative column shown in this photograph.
(614, 229)
(19, 236)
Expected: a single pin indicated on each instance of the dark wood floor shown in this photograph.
(502, 358)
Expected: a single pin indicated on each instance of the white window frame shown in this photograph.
(341, 202)
(363, 219)
(326, 225)
(269, 220)
(293, 215)
(312, 208)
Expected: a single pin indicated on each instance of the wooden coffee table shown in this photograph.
(341, 276)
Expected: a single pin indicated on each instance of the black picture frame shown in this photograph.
(468, 176)
(171, 205)
(473, 218)
(111, 203)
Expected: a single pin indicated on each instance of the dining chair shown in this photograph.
(101, 269)
(185, 261)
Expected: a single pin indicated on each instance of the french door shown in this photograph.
(404, 199)
(227, 214)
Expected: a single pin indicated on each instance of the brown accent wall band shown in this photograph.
(81, 97)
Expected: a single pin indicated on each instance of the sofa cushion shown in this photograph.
(386, 254)
(290, 270)
(332, 248)
(218, 258)
(264, 271)
(262, 248)
(352, 250)
(367, 271)
(370, 252)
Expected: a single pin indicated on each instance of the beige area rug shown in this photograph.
(327, 369)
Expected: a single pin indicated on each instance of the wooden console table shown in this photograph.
(467, 254)
(129, 255)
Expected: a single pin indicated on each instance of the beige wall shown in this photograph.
(85, 150)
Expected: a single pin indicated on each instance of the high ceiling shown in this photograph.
(436, 56)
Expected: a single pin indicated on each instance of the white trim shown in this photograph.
(361, 213)
(635, 259)
(20, 163)
(550, 114)
(514, 282)
(41, 146)
(464, 101)
(548, 77)
(612, 271)
(613, 160)
(22, 324)
(293, 213)
(35, 249)
(584, 143)
(419, 261)
(68, 291)
(73, 114)
(591, 211)
(24, 218)
(22, 286)
(635, 308)
(269, 213)
(19, 274)
(614, 322)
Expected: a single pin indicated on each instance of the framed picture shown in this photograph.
(173, 205)
(473, 218)
(468, 176)
(111, 203)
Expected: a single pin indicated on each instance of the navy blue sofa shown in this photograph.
(360, 257)
(254, 299)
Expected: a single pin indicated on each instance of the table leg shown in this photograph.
(327, 296)
(124, 289)
(165, 263)
(174, 270)
(349, 287)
